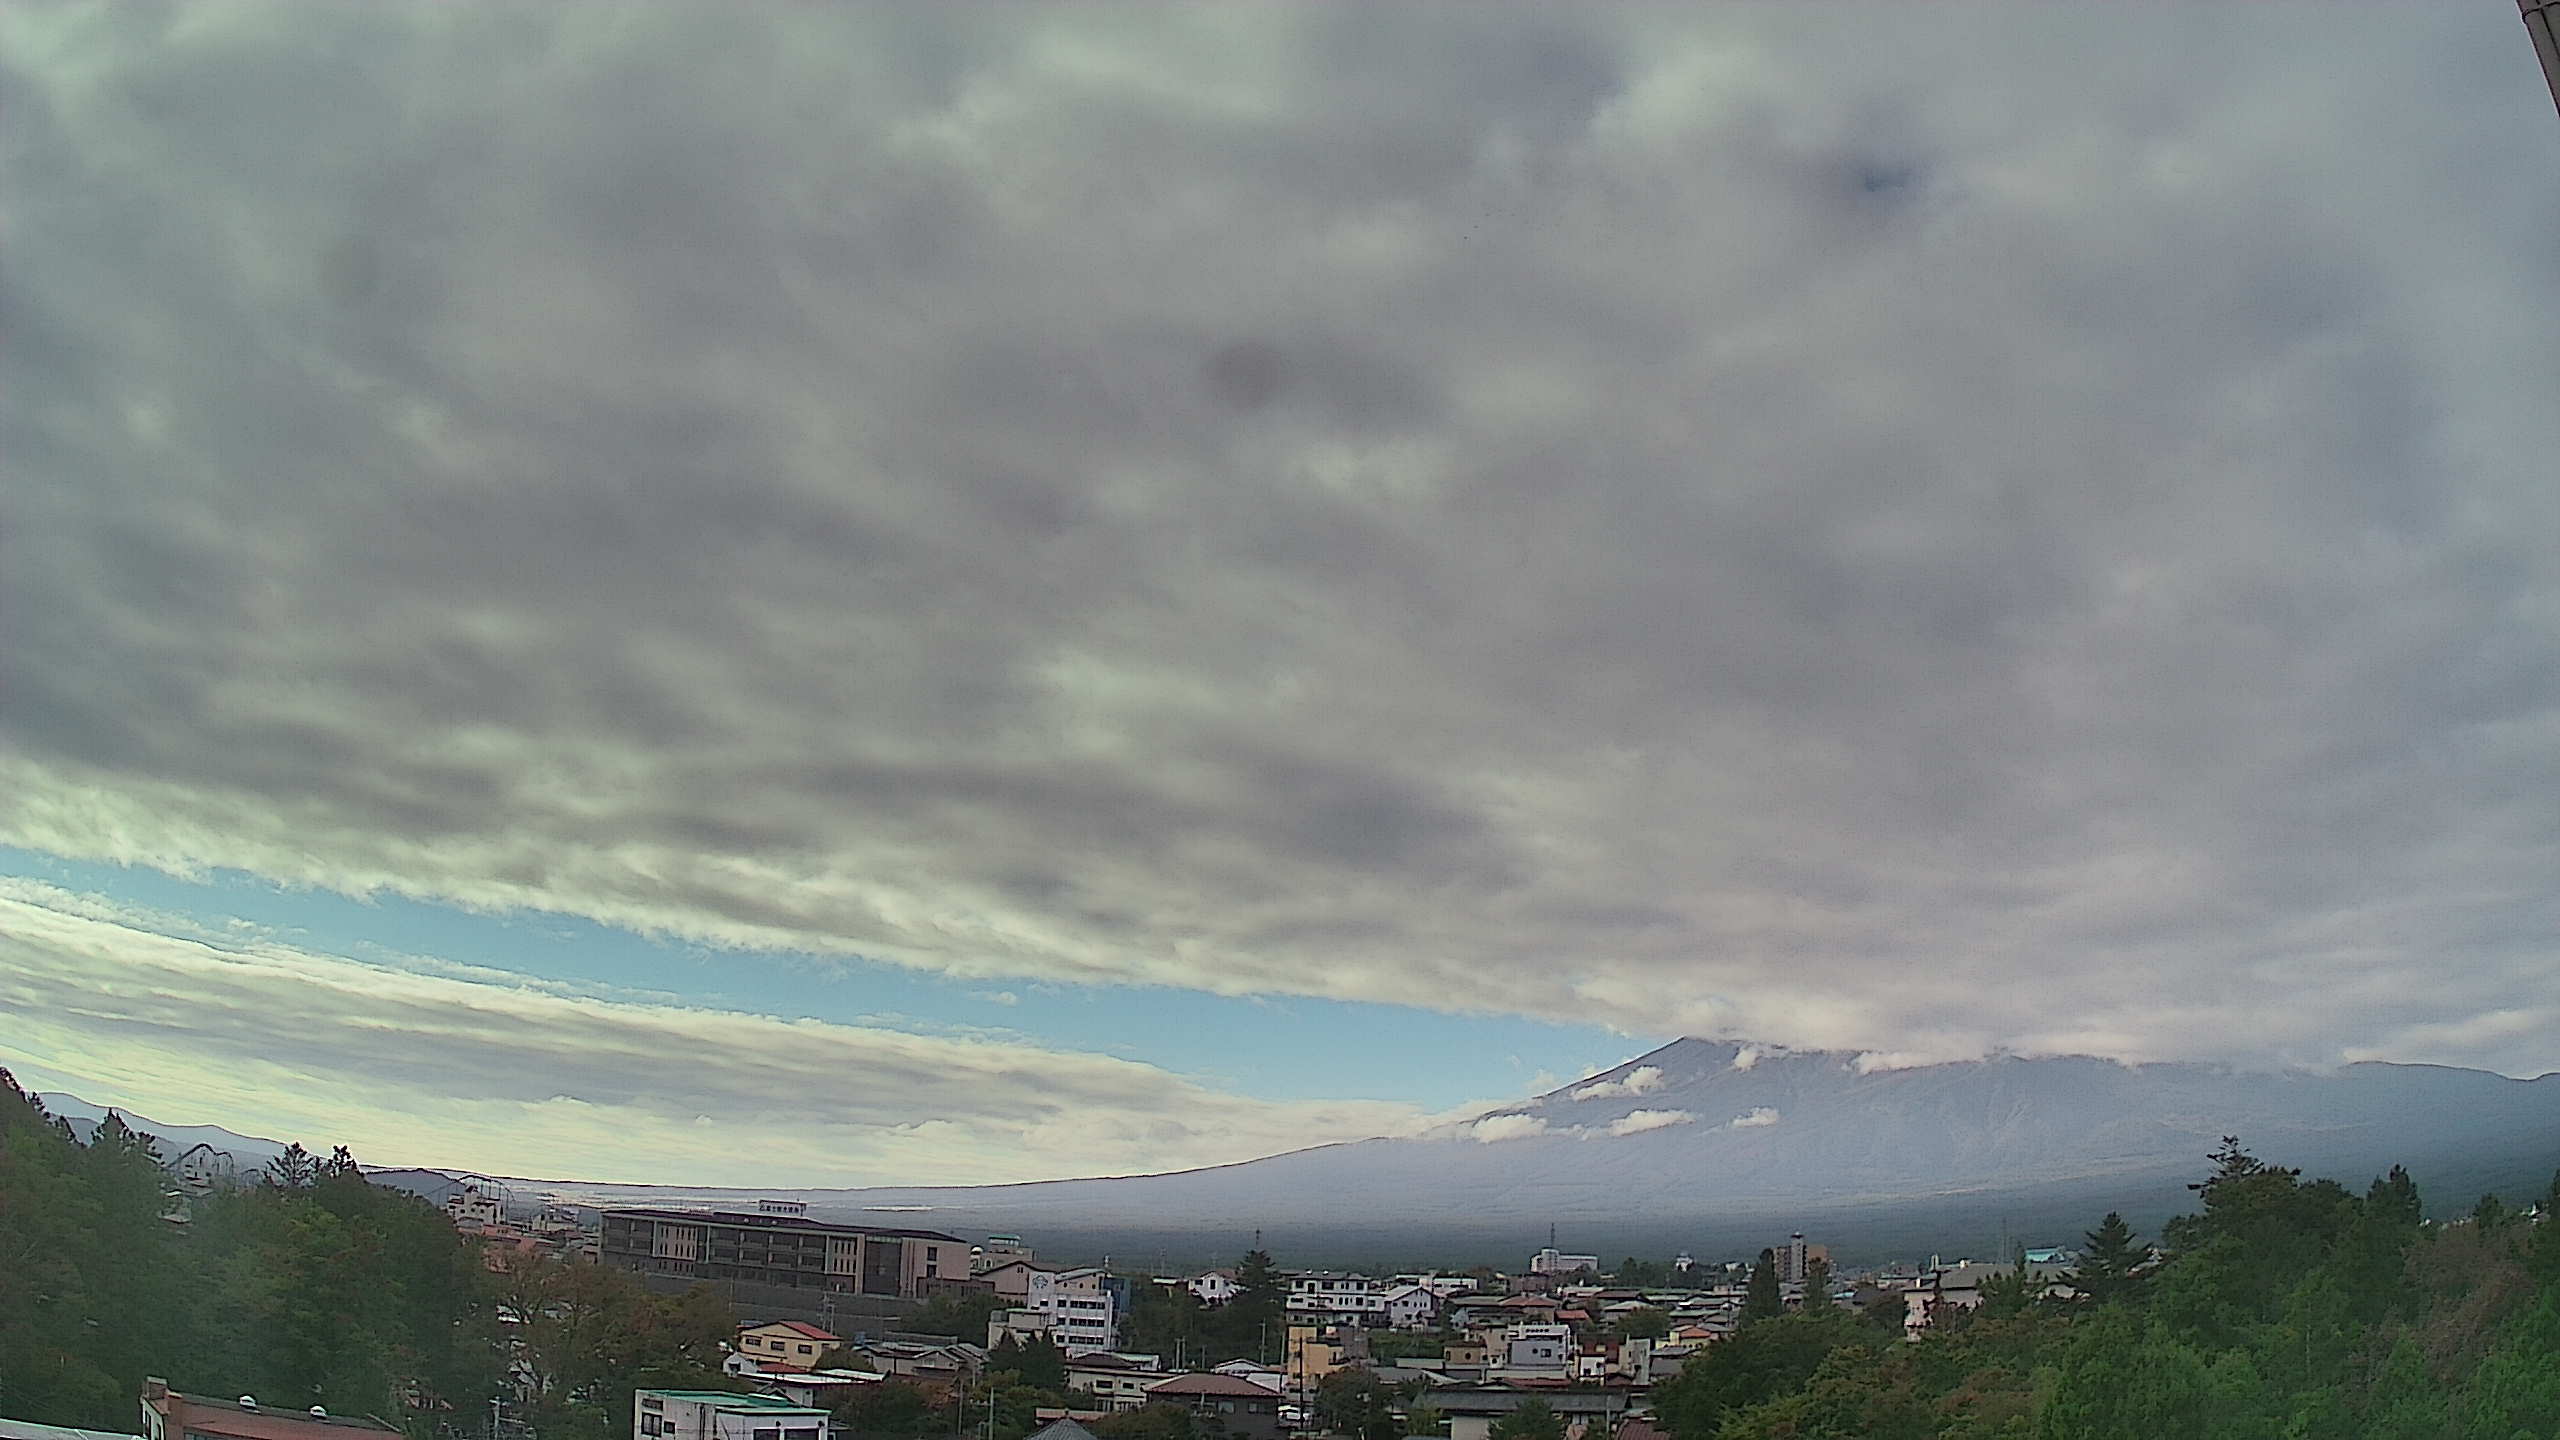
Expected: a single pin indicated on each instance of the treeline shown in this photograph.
(2282, 1309)
(311, 1288)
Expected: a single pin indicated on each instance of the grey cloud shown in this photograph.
(1853, 532)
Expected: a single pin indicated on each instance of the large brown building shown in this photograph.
(169, 1415)
(785, 1250)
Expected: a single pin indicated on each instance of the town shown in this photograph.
(308, 1299)
(829, 1320)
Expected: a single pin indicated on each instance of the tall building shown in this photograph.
(2542, 22)
(788, 1250)
(1552, 1261)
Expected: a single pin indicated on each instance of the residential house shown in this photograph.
(171, 1415)
(472, 1208)
(1023, 1326)
(203, 1170)
(1269, 1377)
(1213, 1287)
(1410, 1307)
(939, 1366)
(1473, 1409)
(785, 1344)
(823, 1389)
(1063, 1428)
(719, 1415)
(1240, 1408)
(1959, 1287)
(1116, 1382)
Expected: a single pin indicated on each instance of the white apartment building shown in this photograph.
(471, 1208)
(1537, 1351)
(1082, 1315)
(718, 1415)
(1335, 1295)
(1552, 1261)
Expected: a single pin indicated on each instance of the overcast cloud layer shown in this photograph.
(1909, 532)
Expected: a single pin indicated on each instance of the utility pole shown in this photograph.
(2542, 22)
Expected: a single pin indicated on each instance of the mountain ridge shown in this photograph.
(1700, 1137)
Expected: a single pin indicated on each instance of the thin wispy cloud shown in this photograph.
(465, 1067)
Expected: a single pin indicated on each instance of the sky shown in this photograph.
(827, 595)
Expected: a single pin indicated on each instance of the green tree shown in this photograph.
(960, 1314)
(2013, 1288)
(2394, 1197)
(2542, 1249)
(1761, 1299)
(1645, 1322)
(1038, 1363)
(1162, 1420)
(1531, 1419)
(1759, 1362)
(2516, 1390)
(1353, 1401)
(1251, 1323)
(891, 1410)
(2107, 1260)
(2490, 1214)
(295, 1169)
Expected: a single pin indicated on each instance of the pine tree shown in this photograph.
(2106, 1266)
(294, 1170)
(2394, 1197)
(1761, 1300)
(1252, 1320)
(2542, 1252)
(2490, 1214)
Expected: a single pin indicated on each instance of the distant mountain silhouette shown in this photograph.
(1704, 1144)
(1708, 1139)
(250, 1151)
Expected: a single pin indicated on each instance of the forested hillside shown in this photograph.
(2285, 1309)
(314, 1288)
